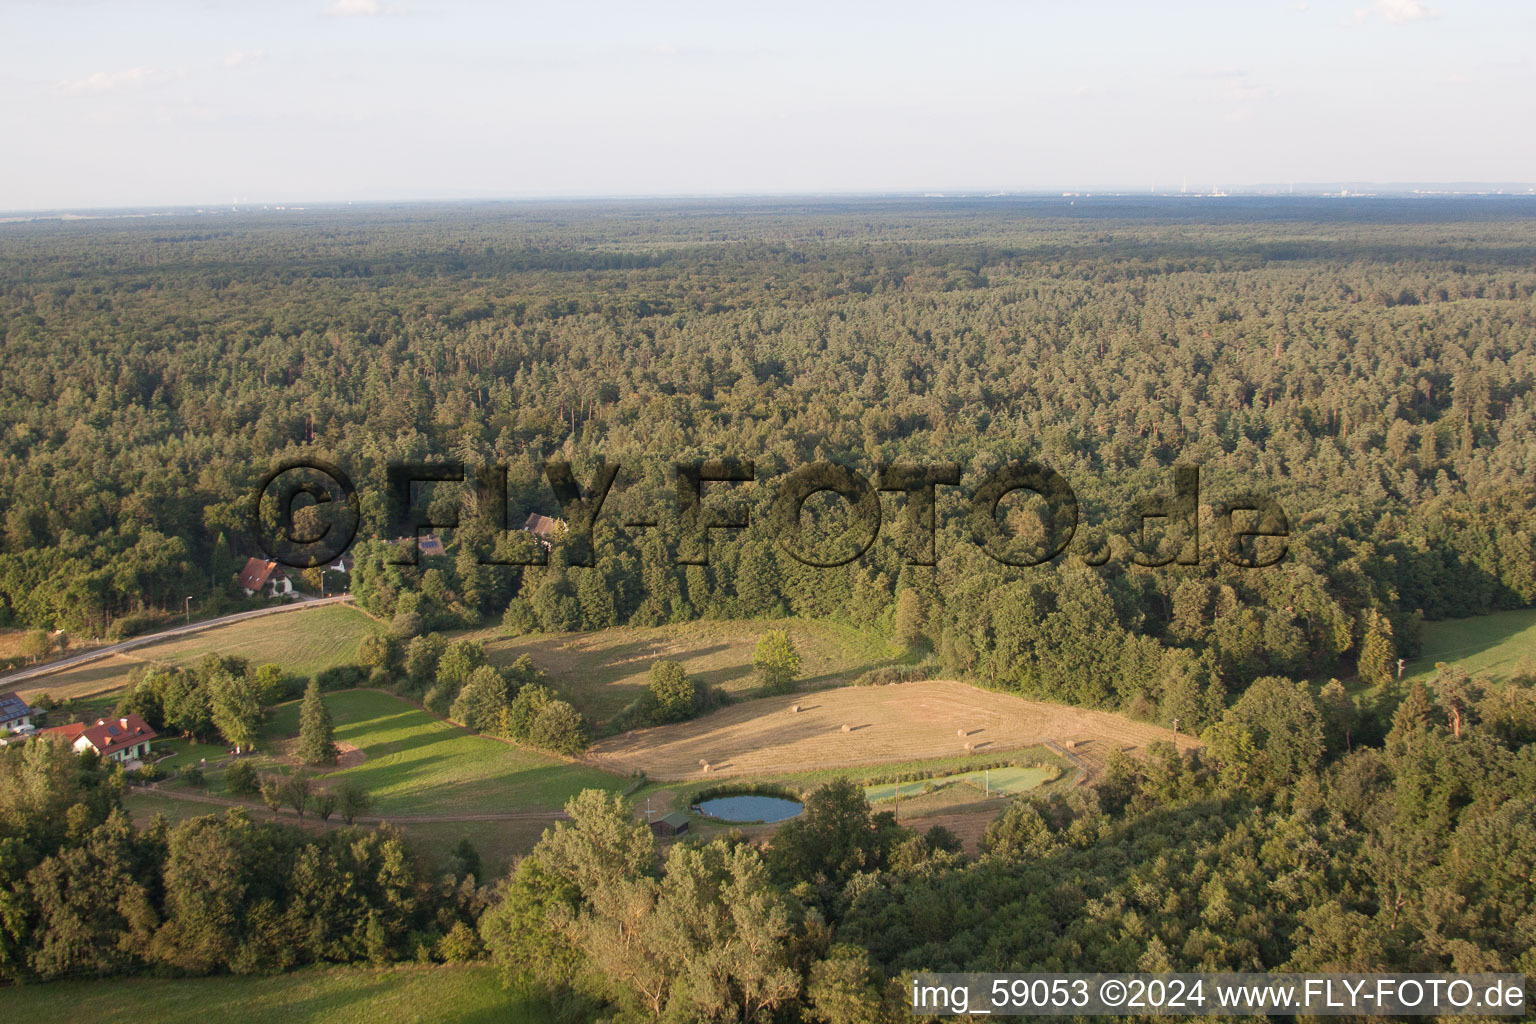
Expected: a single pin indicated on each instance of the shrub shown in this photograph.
(461, 944)
(241, 779)
(351, 799)
(342, 677)
(559, 727)
(480, 703)
(673, 694)
(405, 625)
(520, 619)
(194, 777)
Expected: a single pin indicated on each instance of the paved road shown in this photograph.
(154, 638)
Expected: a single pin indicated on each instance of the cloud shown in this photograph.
(112, 81)
(356, 9)
(240, 57)
(1396, 12)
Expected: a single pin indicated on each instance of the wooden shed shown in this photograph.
(674, 824)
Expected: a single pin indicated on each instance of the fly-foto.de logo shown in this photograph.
(1250, 530)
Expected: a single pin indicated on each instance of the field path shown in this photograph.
(863, 725)
(165, 634)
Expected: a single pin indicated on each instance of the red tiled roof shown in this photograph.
(256, 573)
(107, 735)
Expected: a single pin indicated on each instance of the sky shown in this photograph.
(174, 102)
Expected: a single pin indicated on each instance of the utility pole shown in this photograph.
(189, 609)
(1175, 732)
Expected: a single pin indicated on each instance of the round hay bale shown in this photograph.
(970, 748)
(1070, 744)
(795, 709)
(847, 729)
(960, 733)
(706, 766)
(703, 763)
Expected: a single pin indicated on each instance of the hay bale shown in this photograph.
(846, 728)
(703, 763)
(960, 733)
(795, 708)
(970, 748)
(707, 766)
(1070, 744)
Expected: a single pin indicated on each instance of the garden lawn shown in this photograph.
(417, 764)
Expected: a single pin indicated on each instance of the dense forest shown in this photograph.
(1367, 365)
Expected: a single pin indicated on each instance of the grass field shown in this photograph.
(603, 672)
(448, 994)
(1493, 645)
(1008, 781)
(301, 642)
(415, 764)
(908, 721)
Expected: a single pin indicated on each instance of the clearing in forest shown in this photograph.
(604, 671)
(861, 725)
(1496, 645)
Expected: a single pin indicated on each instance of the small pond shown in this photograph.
(749, 807)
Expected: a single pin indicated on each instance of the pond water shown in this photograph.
(750, 807)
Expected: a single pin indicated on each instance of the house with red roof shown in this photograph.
(263, 577)
(118, 739)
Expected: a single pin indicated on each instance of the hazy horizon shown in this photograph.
(164, 103)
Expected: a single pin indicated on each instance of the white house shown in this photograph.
(259, 577)
(124, 739)
(15, 716)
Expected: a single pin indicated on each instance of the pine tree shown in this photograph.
(317, 744)
(1376, 651)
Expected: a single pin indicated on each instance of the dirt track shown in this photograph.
(904, 722)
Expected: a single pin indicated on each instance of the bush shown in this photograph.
(674, 695)
(146, 773)
(482, 700)
(194, 777)
(241, 779)
(405, 625)
(520, 619)
(342, 677)
(559, 727)
(132, 625)
(897, 674)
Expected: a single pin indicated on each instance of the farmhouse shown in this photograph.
(674, 824)
(15, 716)
(259, 577)
(118, 739)
(544, 528)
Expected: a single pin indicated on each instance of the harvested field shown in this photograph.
(903, 722)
